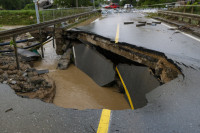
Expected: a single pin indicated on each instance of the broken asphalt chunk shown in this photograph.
(138, 25)
(10, 109)
(39, 72)
(94, 64)
(128, 22)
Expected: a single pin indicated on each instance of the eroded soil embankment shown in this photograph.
(25, 82)
(164, 69)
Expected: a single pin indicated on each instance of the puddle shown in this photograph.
(74, 89)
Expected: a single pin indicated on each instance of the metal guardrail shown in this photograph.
(34, 27)
(188, 16)
(14, 32)
(50, 14)
(180, 14)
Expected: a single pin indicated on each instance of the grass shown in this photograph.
(17, 17)
(50, 14)
(196, 10)
(151, 15)
(27, 17)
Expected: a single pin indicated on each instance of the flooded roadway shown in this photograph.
(74, 89)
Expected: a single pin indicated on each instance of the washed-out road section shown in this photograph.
(172, 107)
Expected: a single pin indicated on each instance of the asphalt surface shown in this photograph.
(35, 116)
(172, 108)
(158, 38)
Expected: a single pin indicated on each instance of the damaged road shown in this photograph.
(174, 60)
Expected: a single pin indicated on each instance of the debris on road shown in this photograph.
(28, 55)
(128, 22)
(142, 24)
(8, 110)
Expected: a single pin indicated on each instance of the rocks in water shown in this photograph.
(11, 67)
(1, 71)
(5, 76)
(48, 85)
(32, 74)
(4, 67)
(30, 70)
(16, 88)
(39, 72)
(5, 82)
(9, 72)
(36, 80)
(26, 81)
(65, 60)
(13, 82)
(25, 74)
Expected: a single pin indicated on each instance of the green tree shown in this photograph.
(72, 3)
(14, 4)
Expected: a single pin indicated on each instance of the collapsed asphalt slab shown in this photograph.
(94, 64)
(138, 81)
(172, 108)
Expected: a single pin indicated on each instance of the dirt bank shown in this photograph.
(26, 82)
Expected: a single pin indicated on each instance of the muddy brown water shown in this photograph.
(74, 89)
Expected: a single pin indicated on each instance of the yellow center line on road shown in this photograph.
(104, 121)
(117, 35)
(126, 90)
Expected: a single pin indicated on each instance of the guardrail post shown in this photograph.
(190, 20)
(182, 18)
(43, 15)
(192, 10)
(41, 40)
(61, 13)
(15, 50)
(54, 26)
(53, 14)
(184, 9)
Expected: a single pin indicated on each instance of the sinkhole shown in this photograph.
(107, 76)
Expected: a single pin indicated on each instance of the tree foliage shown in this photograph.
(151, 2)
(72, 3)
(145, 2)
(14, 4)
